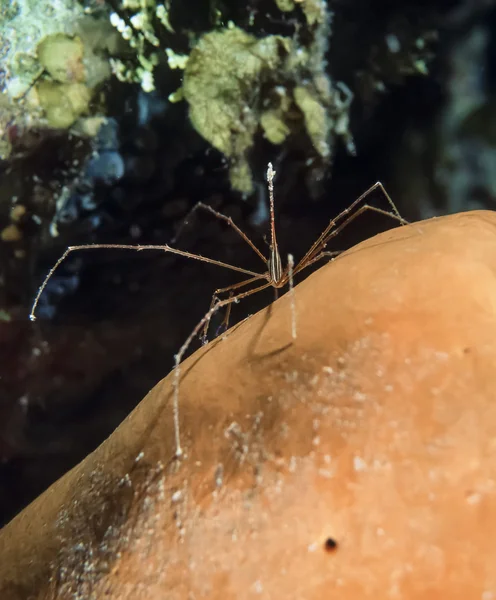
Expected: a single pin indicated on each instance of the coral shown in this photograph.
(50, 41)
(274, 126)
(223, 79)
(138, 29)
(32, 29)
(315, 116)
(238, 84)
(61, 57)
(63, 103)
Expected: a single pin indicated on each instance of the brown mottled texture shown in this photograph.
(376, 428)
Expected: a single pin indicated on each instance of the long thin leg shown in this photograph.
(228, 220)
(225, 321)
(291, 266)
(321, 255)
(182, 350)
(215, 298)
(323, 237)
(351, 218)
(235, 286)
(165, 248)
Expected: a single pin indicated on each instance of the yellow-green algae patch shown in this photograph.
(222, 82)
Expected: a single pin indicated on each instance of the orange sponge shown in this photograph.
(358, 461)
